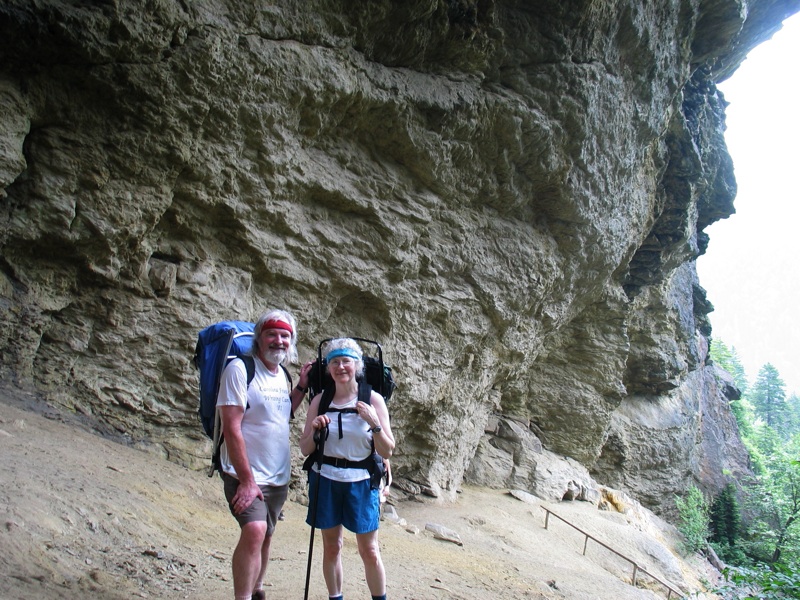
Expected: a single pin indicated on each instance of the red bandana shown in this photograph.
(277, 324)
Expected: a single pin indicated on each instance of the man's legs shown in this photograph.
(247, 558)
(257, 522)
(259, 582)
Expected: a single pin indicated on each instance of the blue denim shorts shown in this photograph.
(350, 504)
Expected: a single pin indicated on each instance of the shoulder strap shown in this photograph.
(290, 385)
(250, 367)
(364, 392)
(364, 395)
(288, 378)
(325, 401)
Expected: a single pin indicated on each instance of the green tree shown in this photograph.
(769, 397)
(728, 359)
(725, 516)
(793, 415)
(745, 415)
(693, 520)
(774, 500)
(775, 582)
(767, 549)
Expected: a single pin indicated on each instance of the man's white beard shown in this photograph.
(274, 356)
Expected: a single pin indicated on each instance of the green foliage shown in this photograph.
(769, 397)
(732, 554)
(694, 519)
(778, 582)
(767, 443)
(745, 415)
(774, 498)
(725, 517)
(756, 526)
(728, 360)
(792, 415)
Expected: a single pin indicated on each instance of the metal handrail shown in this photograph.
(636, 568)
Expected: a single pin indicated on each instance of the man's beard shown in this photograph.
(274, 355)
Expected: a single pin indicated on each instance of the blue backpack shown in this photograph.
(217, 345)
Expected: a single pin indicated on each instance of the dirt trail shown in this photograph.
(83, 516)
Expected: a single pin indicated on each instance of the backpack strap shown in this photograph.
(364, 392)
(250, 367)
(364, 395)
(288, 379)
(325, 401)
(374, 463)
(343, 463)
(290, 385)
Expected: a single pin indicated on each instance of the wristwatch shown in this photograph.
(376, 429)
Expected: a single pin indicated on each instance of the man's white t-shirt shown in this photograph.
(265, 424)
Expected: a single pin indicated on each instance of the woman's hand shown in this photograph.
(375, 413)
(320, 422)
(367, 412)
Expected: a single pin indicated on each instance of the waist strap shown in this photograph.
(344, 463)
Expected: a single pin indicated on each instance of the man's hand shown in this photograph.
(246, 493)
(303, 382)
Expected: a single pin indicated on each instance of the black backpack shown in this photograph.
(377, 376)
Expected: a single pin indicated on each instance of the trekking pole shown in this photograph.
(320, 435)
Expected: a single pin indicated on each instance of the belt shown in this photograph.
(344, 463)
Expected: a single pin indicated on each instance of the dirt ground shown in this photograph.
(83, 516)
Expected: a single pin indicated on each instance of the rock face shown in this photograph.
(509, 195)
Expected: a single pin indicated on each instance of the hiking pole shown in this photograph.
(320, 435)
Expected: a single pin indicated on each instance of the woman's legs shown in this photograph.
(332, 559)
(370, 552)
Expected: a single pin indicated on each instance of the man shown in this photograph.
(255, 455)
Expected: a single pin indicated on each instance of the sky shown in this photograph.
(751, 270)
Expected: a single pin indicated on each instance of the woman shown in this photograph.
(345, 497)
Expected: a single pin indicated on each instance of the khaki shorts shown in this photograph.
(267, 510)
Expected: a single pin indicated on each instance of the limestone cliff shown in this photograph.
(509, 195)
